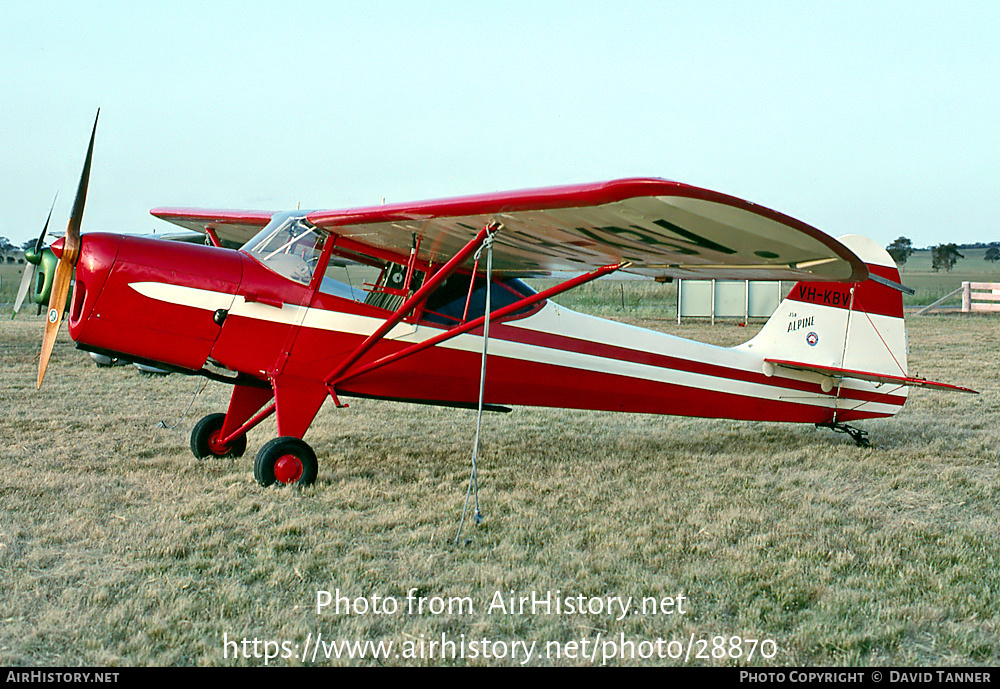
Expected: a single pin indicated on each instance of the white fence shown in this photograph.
(980, 296)
(729, 298)
(976, 296)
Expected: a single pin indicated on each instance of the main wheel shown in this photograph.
(205, 438)
(286, 460)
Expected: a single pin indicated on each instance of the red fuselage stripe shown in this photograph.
(607, 351)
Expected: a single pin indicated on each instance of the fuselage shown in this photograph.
(183, 306)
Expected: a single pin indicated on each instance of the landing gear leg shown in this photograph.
(859, 436)
(289, 460)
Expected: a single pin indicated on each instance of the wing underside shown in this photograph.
(662, 229)
(231, 227)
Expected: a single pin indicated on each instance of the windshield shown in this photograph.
(288, 245)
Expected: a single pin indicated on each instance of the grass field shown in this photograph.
(117, 547)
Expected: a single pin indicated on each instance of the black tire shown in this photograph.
(286, 461)
(204, 434)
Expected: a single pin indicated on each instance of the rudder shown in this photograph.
(853, 326)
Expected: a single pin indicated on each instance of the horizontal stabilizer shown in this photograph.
(835, 372)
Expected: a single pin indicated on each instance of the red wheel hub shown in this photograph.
(288, 469)
(214, 445)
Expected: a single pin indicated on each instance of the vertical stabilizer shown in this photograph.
(853, 326)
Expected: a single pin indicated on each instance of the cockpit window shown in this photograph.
(289, 245)
(292, 246)
(446, 305)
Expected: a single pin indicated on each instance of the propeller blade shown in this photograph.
(72, 245)
(41, 237)
(22, 291)
(57, 303)
(67, 261)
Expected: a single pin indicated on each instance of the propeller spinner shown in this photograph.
(68, 255)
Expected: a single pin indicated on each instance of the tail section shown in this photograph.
(849, 334)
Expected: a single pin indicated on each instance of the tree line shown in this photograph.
(943, 256)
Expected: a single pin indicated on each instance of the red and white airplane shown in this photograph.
(269, 320)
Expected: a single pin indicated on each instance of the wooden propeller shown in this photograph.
(67, 262)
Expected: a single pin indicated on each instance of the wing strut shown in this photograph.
(478, 322)
(418, 297)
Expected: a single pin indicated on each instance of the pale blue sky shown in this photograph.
(859, 117)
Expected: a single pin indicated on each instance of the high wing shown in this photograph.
(231, 227)
(880, 378)
(662, 229)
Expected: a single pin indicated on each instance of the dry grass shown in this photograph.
(117, 547)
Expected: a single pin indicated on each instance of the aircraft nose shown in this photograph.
(98, 253)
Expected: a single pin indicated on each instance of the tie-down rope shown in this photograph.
(473, 489)
(163, 424)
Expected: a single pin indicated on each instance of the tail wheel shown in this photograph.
(206, 439)
(287, 461)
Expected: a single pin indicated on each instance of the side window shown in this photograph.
(447, 305)
(383, 287)
(346, 280)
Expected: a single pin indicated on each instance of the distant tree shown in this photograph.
(30, 244)
(944, 256)
(992, 254)
(900, 250)
(5, 245)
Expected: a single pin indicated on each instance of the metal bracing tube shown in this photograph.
(472, 325)
(407, 306)
(242, 430)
